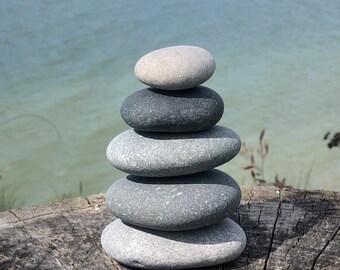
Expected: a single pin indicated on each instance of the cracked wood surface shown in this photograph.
(291, 229)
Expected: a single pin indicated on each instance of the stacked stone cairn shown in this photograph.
(172, 209)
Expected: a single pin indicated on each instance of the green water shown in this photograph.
(66, 66)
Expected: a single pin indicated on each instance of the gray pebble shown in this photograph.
(175, 68)
(157, 110)
(151, 249)
(171, 154)
(174, 203)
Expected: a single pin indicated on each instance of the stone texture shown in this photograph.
(174, 203)
(151, 249)
(157, 110)
(175, 68)
(171, 154)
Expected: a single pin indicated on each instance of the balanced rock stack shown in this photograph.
(173, 208)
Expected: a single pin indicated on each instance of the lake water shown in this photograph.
(66, 67)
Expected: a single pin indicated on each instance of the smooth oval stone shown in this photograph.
(171, 154)
(174, 203)
(175, 68)
(157, 110)
(150, 249)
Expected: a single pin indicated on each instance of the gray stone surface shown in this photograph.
(175, 68)
(151, 249)
(174, 203)
(171, 154)
(158, 110)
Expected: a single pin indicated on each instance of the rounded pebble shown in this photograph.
(171, 154)
(174, 203)
(150, 249)
(157, 110)
(175, 68)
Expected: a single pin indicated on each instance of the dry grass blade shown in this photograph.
(266, 148)
(326, 135)
(262, 135)
(252, 167)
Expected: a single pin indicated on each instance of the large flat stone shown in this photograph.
(151, 249)
(171, 154)
(175, 68)
(174, 203)
(157, 110)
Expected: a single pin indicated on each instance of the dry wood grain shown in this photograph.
(291, 229)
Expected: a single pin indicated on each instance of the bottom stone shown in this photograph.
(151, 249)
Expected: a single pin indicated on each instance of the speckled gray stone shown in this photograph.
(151, 249)
(157, 110)
(171, 154)
(175, 68)
(174, 203)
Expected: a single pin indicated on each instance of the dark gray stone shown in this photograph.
(158, 110)
(175, 68)
(151, 249)
(171, 154)
(174, 203)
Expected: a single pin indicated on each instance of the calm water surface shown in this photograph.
(66, 66)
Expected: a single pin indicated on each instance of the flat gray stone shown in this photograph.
(151, 249)
(175, 68)
(171, 154)
(158, 110)
(174, 203)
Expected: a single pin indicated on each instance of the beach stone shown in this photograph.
(157, 110)
(174, 203)
(156, 154)
(175, 68)
(151, 249)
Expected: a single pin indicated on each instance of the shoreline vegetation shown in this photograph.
(256, 165)
(8, 197)
(333, 141)
(255, 158)
(70, 194)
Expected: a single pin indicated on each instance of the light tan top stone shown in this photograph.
(175, 68)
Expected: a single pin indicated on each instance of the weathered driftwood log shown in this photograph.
(293, 229)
